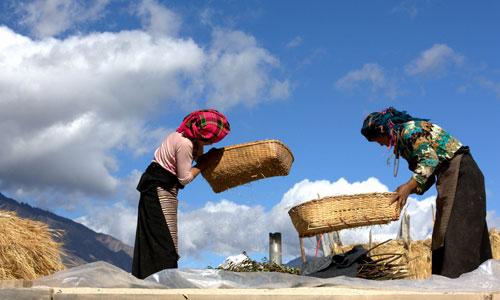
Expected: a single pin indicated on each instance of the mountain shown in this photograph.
(80, 243)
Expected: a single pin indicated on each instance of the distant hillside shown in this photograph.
(81, 244)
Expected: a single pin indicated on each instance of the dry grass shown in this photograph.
(495, 243)
(27, 248)
(418, 255)
(384, 264)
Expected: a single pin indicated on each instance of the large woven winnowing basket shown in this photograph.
(239, 164)
(341, 212)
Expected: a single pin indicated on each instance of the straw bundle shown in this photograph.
(341, 212)
(417, 256)
(495, 243)
(391, 260)
(240, 164)
(27, 248)
(384, 265)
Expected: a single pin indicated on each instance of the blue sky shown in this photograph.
(88, 90)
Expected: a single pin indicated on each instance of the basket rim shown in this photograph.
(268, 141)
(307, 203)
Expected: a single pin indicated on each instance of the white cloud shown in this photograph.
(128, 189)
(206, 16)
(491, 85)
(158, 19)
(434, 61)
(239, 70)
(371, 72)
(408, 7)
(315, 55)
(227, 228)
(52, 17)
(51, 155)
(122, 224)
(374, 75)
(118, 220)
(144, 140)
(67, 104)
(224, 228)
(64, 104)
(280, 89)
(295, 42)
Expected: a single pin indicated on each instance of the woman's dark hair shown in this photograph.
(380, 123)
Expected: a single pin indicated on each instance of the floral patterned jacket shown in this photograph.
(425, 146)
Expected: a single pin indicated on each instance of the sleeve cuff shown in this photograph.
(421, 181)
(185, 181)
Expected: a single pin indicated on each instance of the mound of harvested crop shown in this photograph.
(27, 248)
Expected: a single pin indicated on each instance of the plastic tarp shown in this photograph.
(346, 264)
(96, 275)
(103, 275)
(213, 278)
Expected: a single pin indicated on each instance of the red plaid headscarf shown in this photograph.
(206, 125)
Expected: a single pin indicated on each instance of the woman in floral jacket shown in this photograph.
(460, 240)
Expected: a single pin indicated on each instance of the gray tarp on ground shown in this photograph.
(103, 275)
(97, 274)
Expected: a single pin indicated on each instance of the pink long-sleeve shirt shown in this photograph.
(175, 154)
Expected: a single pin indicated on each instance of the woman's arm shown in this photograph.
(199, 167)
(197, 149)
(184, 160)
(185, 157)
(426, 163)
(422, 155)
(420, 150)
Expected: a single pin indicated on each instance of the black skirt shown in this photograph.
(154, 248)
(466, 241)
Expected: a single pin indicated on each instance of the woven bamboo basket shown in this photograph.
(341, 212)
(240, 164)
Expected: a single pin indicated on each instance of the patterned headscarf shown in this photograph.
(206, 125)
(387, 122)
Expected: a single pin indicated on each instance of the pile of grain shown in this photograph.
(417, 256)
(27, 248)
(495, 243)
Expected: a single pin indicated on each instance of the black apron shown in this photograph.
(154, 248)
(460, 239)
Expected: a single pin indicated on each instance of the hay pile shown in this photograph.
(27, 248)
(495, 243)
(417, 257)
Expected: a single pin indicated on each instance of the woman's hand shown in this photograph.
(403, 191)
(206, 158)
(201, 164)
